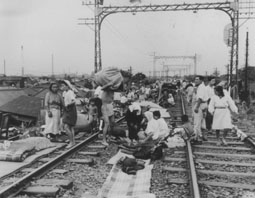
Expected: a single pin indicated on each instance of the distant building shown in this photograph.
(25, 109)
(14, 81)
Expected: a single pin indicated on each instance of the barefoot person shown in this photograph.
(219, 106)
(70, 113)
(53, 105)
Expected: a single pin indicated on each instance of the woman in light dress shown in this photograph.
(220, 106)
(53, 105)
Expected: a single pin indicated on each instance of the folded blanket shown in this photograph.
(17, 152)
(39, 143)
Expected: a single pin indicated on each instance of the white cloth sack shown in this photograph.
(175, 141)
(109, 78)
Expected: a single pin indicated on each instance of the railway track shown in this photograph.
(48, 176)
(208, 170)
(196, 171)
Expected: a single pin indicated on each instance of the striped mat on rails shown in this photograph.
(121, 185)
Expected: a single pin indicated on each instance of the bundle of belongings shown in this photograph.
(109, 79)
(130, 165)
(128, 178)
(145, 151)
(19, 150)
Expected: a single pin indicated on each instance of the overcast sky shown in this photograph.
(51, 27)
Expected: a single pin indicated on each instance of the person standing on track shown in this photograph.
(54, 105)
(189, 89)
(220, 106)
(134, 119)
(200, 108)
(210, 92)
(70, 113)
(107, 113)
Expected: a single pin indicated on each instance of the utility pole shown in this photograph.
(130, 70)
(4, 68)
(22, 61)
(154, 64)
(246, 68)
(52, 65)
(227, 66)
(195, 64)
(97, 26)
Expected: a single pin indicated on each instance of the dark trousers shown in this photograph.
(132, 132)
(208, 121)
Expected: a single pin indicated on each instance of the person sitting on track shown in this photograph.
(186, 130)
(163, 128)
(156, 128)
(163, 101)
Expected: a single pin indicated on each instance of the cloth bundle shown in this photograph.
(109, 79)
(145, 151)
(122, 185)
(130, 165)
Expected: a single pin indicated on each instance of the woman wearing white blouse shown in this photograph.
(220, 106)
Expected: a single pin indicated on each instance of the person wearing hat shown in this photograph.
(70, 113)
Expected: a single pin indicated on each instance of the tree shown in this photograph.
(138, 77)
(216, 72)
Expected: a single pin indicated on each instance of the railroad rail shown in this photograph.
(23, 182)
(192, 173)
(212, 169)
(206, 159)
(50, 163)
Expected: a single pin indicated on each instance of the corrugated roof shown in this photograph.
(41, 94)
(31, 91)
(7, 95)
(23, 105)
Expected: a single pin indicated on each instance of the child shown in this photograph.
(186, 129)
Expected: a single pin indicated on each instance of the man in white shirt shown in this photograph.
(98, 92)
(210, 92)
(200, 108)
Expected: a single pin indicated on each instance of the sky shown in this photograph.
(50, 28)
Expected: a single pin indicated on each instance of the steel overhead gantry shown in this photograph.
(230, 8)
(194, 58)
(176, 70)
(185, 68)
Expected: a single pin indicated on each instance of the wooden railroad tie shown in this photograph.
(43, 191)
(97, 154)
